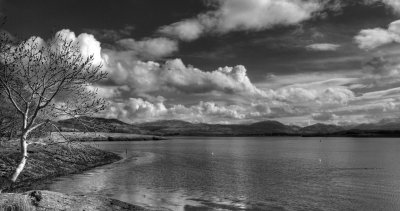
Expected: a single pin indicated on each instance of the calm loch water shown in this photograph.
(253, 173)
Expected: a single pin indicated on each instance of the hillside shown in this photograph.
(390, 128)
(178, 127)
(95, 124)
(320, 129)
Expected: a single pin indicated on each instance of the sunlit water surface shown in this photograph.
(252, 173)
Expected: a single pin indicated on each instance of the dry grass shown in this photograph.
(16, 203)
(46, 200)
(48, 160)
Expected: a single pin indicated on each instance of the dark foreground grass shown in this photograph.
(48, 160)
(47, 200)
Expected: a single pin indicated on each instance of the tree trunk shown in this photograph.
(24, 155)
(22, 162)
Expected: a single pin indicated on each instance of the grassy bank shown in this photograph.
(48, 160)
(53, 157)
(46, 200)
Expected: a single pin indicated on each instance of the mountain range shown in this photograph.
(384, 128)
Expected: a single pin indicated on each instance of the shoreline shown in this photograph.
(49, 200)
(47, 162)
(102, 136)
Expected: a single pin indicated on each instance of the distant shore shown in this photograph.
(102, 136)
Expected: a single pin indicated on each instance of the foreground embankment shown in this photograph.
(56, 156)
(49, 159)
(47, 200)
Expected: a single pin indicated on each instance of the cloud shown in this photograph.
(371, 107)
(323, 47)
(140, 110)
(87, 44)
(184, 84)
(174, 76)
(394, 4)
(318, 79)
(111, 35)
(239, 15)
(150, 48)
(315, 96)
(106, 91)
(369, 39)
(145, 91)
(324, 117)
(379, 72)
(186, 30)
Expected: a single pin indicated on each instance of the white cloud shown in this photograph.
(150, 48)
(106, 92)
(134, 109)
(145, 91)
(186, 30)
(139, 110)
(174, 76)
(88, 45)
(395, 4)
(323, 47)
(372, 38)
(238, 15)
(315, 96)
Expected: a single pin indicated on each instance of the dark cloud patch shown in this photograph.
(111, 35)
(40, 17)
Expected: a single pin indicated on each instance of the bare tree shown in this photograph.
(45, 81)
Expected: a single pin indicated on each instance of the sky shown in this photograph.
(299, 62)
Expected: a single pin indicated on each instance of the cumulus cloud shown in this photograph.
(150, 48)
(175, 76)
(395, 4)
(145, 91)
(106, 92)
(140, 110)
(372, 38)
(237, 15)
(175, 80)
(87, 44)
(323, 47)
(315, 96)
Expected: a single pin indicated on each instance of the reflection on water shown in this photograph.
(262, 173)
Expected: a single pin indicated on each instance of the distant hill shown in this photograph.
(178, 127)
(390, 128)
(95, 124)
(383, 128)
(320, 129)
(385, 124)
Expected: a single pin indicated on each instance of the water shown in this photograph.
(256, 173)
